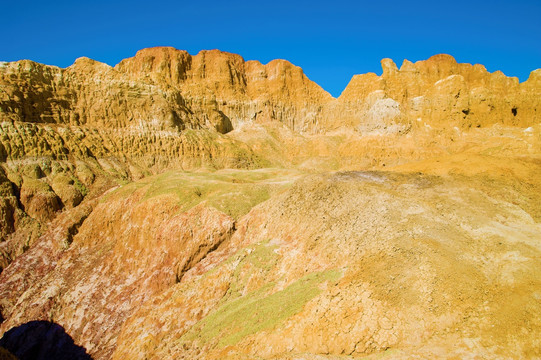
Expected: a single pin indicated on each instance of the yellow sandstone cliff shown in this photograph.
(203, 206)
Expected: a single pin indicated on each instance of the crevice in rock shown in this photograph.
(190, 264)
(74, 229)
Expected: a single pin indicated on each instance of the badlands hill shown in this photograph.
(207, 207)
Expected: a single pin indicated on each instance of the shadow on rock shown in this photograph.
(41, 340)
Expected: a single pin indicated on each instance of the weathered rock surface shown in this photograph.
(169, 90)
(356, 263)
(165, 108)
(99, 262)
(440, 92)
(401, 219)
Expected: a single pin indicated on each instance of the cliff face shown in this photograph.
(440, 92)
(218, 85)
(167, 207)
(169, 89)
(139, 107)
(143, 106)
(162, 89)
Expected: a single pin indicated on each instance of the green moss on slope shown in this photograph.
(234, 192)
(257, 311)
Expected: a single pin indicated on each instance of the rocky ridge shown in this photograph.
(117, 224)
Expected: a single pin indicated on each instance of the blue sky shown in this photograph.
(331, 40)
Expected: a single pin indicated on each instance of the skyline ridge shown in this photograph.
(379, 73)
(331, 43)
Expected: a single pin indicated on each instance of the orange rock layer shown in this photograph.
(164, 88)
(401, 219)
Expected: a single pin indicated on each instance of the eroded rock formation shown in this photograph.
(179, 206)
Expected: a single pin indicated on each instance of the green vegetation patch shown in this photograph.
(36, 186)
(258, 311)
(80, 187)
(69, 180)
(234, 192)
(261, 256)
(125, 191)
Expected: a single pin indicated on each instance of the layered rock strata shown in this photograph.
(427, 246)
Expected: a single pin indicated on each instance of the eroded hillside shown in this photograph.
(179, 206)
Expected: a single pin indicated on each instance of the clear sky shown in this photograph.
(331, 40)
